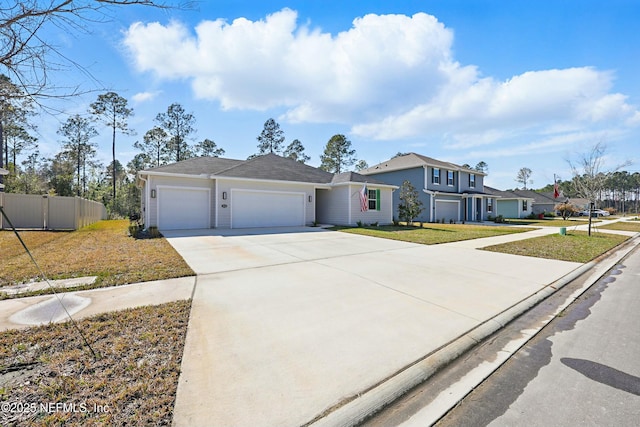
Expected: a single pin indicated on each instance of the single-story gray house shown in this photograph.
(448, 192)
(510, 204)
(266, 191)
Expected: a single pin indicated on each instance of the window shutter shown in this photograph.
(378, 199)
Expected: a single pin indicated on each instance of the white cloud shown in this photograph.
(141, 97)
(388, 76)
(382, 64)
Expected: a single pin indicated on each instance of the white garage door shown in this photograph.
(447, 210)
(266, 209)
(183, 208)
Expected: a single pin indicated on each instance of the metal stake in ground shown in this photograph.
(46, 279)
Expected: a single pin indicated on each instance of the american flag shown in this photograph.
(364, 199)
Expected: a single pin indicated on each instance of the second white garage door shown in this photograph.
(266, 209)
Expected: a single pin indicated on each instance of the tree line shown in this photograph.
(75, 170)
(613, 188)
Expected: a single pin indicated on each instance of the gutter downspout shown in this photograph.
(146, 198)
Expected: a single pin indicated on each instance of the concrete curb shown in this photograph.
(367, 404)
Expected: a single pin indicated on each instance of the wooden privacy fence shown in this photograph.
(49, 212)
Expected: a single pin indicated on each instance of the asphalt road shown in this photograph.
(583, 369)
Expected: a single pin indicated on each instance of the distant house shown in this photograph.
(448, 191)
(511, 204)
(266, 191)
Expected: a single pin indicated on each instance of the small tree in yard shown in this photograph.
(565, 209)
(410, 205)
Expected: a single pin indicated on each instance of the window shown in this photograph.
(374, 200)
(524, 205)
(435, 176)
(472, 180)
(450, 178)
(489, 205)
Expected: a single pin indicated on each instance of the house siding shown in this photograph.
(443, 186)
(226, 185)
(464, 183)
(508, 208)
(334, 206)
(382, 216)
(417, 178)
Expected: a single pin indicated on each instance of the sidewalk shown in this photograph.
(19, 313)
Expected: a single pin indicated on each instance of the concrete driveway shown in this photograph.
(289, 323)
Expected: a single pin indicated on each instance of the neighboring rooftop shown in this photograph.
(414, 160)
(508, 194)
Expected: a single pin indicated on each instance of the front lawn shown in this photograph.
(576, 246)
(623, 226)
(133, 382)
(103, 249)
(552, 222)
(432, 234)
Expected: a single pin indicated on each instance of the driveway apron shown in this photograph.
(286, 324)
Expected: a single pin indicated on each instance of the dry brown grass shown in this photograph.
(103, 249)
(134, 381)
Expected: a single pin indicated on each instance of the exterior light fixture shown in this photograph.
(224, 195)
(153, 194)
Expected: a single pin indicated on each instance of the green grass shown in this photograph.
(551, 222)
(576, 246)
(134, 380)
(623, 226)
(103, 249)
(432, 234)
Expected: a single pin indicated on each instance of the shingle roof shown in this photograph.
(413, 160)
(504, 194)
(274, 167)
(197, 166)
(267, 167)
(538, 198)
(344, 177)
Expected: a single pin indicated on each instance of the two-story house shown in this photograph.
(448, 191)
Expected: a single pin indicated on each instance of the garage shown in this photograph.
(250, 208)
(182, 208)
(447, 209)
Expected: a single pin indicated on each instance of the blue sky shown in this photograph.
(511, 83)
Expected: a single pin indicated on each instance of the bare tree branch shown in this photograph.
(28, 59)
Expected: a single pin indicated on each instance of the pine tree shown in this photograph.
(271, 138)
(295, 151)
(338, 154)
